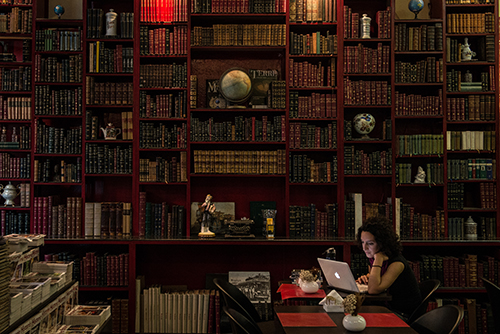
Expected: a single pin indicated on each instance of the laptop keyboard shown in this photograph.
(362, 287)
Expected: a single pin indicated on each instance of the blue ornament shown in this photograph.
(415, 6)
(59, 10)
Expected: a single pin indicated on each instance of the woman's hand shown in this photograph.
(379, 258)
(363, 279)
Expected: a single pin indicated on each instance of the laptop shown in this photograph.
(338, 275)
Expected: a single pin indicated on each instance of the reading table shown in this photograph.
(307, 319)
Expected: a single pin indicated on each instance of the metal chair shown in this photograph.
(238, 301)
(494, 296)
(441, 320)
(427, 288)
(239, 323)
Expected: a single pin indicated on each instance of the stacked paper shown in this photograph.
(50, 267)
(16, 301)
(5, 276)
(88, 315)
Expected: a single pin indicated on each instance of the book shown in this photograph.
(214, 98)
(261, 83)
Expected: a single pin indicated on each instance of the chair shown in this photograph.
(441, 320)
(427, 288)
(238, 301)
(494, 296)
(239, 323)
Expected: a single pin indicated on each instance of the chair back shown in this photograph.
(239, 323)
(236, 300)
(441, 320)
(427, 288)
(494, 296)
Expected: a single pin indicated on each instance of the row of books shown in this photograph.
(93, 120)
(306, 74)
(50, 170)
(20, 138)
(470, 23)
(414, 225)
(306, 170)
(103, 269)
(107, 159)
(309, 222)
(17, 21)
(457, 196)
(429, 70)
(172, 105)
(95, 24)
(242, 129)
(163, 11)
(421, 38)
(420, 144)
(485, 49)
(239, 162)
(108, 220)
(470, 140)
(434, 173)
(357, 162)
(53, 69)
(49, 101)
(357, 212)
(304, 135)
(365, 60)
(163, 170)
(57, 218)
(467, 2)
(162, 136)
(239, 35)
(16, 2)
(457, 230)
(163, 41)
(239, 6)
(163, 75)
(313, 105)
(58, 40)
(15, 79)
(12, 222)
(102, 59)
(15, 167)
(454, 82)
(309, 11)
(418, 105)
(472, 169)
(108, 93)
(471, 108)
(160, 220)
(188, 311)
(374, 93)
(314, 43)
(119, 315)
(352, 23)
(58, 140)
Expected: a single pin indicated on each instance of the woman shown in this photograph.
(389, 270)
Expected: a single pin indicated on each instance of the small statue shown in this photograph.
(467, 53)
(207, 209)
(420, 177)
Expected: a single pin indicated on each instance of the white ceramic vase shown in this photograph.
(354, 323)
(308, 287)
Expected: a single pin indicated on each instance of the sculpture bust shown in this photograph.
(420, 177)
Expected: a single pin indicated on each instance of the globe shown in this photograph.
(235, 85)
(364, 124)
(415, 6)
(59, 10)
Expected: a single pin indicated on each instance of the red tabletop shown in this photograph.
(293, 291)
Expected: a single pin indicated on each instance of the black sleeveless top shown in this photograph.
(404, 291)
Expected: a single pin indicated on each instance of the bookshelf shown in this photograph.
(154, 81)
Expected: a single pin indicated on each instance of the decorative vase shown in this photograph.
(308, 287)
(364, 124)
(354, 323)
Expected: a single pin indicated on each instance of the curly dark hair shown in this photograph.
(384, 234)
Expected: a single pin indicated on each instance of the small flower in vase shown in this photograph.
(353, 321)
(307, 280)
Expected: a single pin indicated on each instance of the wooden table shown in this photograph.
(308, 319)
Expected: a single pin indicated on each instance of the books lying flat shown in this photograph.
(87, 315)
(78, 329)
(50, 267)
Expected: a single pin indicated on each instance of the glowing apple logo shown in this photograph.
(337, 275)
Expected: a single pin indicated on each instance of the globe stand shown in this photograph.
(235, 106)
(416, 14)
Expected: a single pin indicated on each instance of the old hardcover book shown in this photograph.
(261, 81)
(214, 98)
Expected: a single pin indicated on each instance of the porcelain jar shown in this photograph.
(308, 287)
(354, 323)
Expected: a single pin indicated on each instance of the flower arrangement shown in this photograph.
(353, 302)
(308, 275)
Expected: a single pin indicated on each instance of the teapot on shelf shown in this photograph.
(110, 132)
(10, 192)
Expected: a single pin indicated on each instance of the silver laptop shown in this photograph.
(338, 275)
